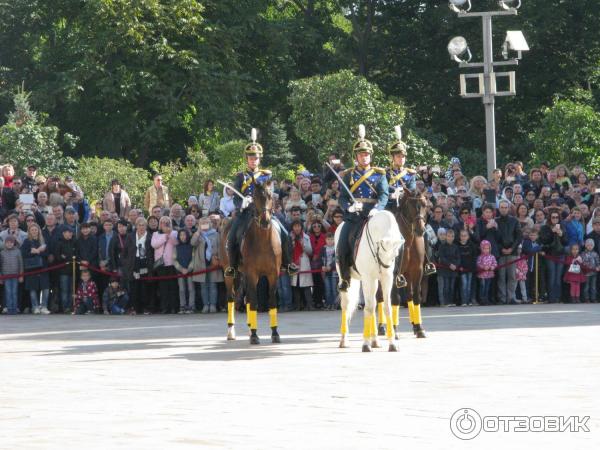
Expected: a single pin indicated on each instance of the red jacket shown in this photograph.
(89, 290)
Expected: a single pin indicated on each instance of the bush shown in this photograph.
(95, 174)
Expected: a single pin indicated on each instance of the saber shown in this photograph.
(341, 182)
(232, 188)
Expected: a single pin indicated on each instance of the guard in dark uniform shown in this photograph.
(244, 183)
(402, 178)
(370, 190)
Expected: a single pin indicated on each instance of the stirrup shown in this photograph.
(401, 281)
(229, 272)
(429, 269)
(343, 286)
(292, 269)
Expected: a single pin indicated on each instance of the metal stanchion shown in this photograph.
(73, 283)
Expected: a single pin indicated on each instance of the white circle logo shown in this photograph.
(465, 423)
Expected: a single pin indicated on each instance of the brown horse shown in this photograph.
(261, 257)
(411, 216)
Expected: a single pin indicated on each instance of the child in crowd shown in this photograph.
(468, 265)
(330, 272)
(449, 260)
(574, 276)
(11, 262)
(486, 264)
(591, 265)
(184, 264)
(521, 270)
(115, 299)
(86, 297)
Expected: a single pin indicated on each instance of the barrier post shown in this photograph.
(73, 283)
(536, 300)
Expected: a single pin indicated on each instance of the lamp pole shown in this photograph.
(488, 90)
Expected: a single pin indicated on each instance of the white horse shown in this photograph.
(379, 245)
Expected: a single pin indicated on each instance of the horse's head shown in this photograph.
(263, 203)
(413, 211)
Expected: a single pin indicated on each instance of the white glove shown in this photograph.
(246, 202)
(373, 212)
(355, 207)
(397, 193)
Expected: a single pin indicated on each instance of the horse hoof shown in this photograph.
(231, 334)
(418, 331)
(392, 348)
(375, 344)
(254, 340)
(396, 337)
(276, 339)
(344, 344)
(366, 348)
(380, 330)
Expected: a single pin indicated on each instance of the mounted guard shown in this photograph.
(245, 183)
(365, 192)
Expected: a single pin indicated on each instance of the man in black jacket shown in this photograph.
(509, 237)
(87, 246)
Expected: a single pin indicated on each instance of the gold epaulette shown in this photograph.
(265, 171)
(379, 170)
(409, 170)
(345, 172)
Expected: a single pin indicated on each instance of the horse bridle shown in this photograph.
(419, 217)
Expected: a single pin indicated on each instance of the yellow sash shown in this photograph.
(367, 174)
(249, 181)
(397, 177)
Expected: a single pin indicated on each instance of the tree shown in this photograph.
(326, 112)
(123, 74)
(277, 154)
(569, 133)
(25, 140)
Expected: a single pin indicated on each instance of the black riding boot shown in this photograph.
(429, 266)
(232, 250)
(286, 254)
(400, 279)
(344, 257)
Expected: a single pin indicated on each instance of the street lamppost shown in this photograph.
(460, 53)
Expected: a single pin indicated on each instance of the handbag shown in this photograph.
(574, 268)
(161, 261)
(33, 262)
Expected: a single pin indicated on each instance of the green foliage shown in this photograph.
(128, 75)
(95, 174)
(569, 133)
(25, 140)
(277, 155)
(185, 179)
(229, 159)
(326, 112)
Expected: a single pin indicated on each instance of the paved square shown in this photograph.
(96, 382)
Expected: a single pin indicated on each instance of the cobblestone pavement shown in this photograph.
(145, 382)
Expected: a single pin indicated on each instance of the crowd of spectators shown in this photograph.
(517, 237)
